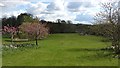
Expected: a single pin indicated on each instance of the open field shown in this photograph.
(61, 50)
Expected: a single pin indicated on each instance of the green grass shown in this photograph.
(61, 50)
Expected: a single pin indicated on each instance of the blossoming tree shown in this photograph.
(11, 30)
(34, 30)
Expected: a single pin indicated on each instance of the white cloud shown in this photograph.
(36, 8)
(57, 5)
(2, 5)
(11, 7)
(74, 10)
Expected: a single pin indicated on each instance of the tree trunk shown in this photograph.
(12, 38)
(36, 41)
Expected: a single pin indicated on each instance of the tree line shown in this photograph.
(59, 26)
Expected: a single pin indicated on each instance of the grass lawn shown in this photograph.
(61, 50)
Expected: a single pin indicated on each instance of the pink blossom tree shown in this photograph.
(11, 30)
(34, 30)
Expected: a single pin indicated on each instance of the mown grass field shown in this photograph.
(61, 50)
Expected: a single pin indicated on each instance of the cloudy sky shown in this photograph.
(78, 11)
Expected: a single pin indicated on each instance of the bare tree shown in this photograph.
(108, 17)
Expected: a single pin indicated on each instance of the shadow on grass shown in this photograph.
(82, 49)
(93, 53)
(15, 41)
